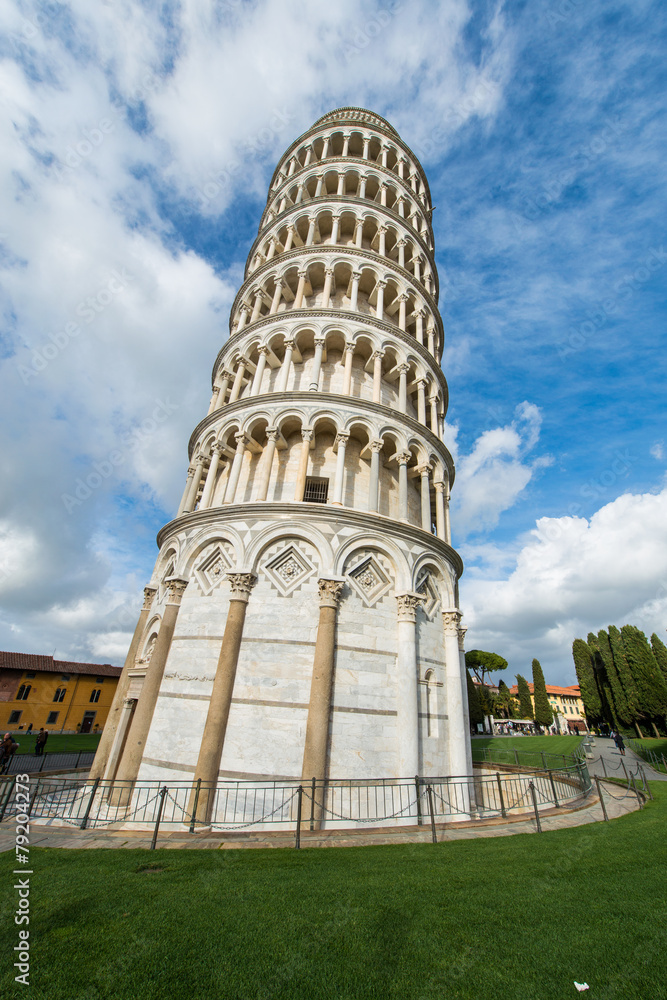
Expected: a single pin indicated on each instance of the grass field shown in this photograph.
(546, 744)
(655, 747)
(509, 918)
(68, 741)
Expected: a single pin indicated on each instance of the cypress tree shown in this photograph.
(525, 703)
(544, 715)
(583, 664)
(660, 653)
(503, 702)
(624, 675)
(474, 707)
(602, 681)
(622, 711)
(647, 675)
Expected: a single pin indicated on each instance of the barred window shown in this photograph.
(316, 490)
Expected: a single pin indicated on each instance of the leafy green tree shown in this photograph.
(482, 663)
(544, 715)
(625, 676)
(622, 711)
(474, 707)
(583, 664)
(503, 703)
(647, 675)
(525, 703)
(602, 680)
(660, 653)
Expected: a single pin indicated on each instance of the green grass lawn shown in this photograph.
(68, 741)
(547, 744)
(508, 918)
(655, 746)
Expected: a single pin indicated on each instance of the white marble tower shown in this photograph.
(302, 619)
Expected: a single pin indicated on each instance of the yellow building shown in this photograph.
(38, 691)
(567, 705)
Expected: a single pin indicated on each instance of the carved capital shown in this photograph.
(176, 587)
(342, 439)
(403, 457)
(128, 702)
(350, 348)
(377, 355)
(227, 375)
(403, 369)
(331, 592)
(407, 606)
(149, 594)
(319, 341)
(242, 584)
(425, 470)
(290, 343)
(462, 635)
(264, 350)
(439, 486)
(451, 621)
(241, 441)
(377, 446)
(217, 448)
(306, 433)
(356, 275)
(272, 433)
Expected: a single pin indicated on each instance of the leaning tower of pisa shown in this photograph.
(302, 620)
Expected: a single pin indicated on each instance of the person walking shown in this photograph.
(618, 740)
(42, 737)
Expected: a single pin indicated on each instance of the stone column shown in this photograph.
(334, 228)
(407, 702)
(325, 148)
(448, 530)
(306, 438)
(401, 252)
(382, 241)
(298, 301)
(186, 492)
(236, 388)
(361, 193)
(259, 371)
(215, 727)
(440, 509)
(383, 194)
(402, 299)
(367, 143)
(269, 451)
(194, 485)
(379, 312)
(433, 401)
(317, 365)
(310, 237)
(464, 689)
(403, 460)
(320, 182)
(419, 314)
(431, 340)
(224, 384)
(421, 401)
(259, 299)
(319, 707)
(273, 246)
(341, 184)
(358, 233)
(129, 764)
(373, 486)
(326, 292)
(377, 376)
(216, 452)
(277, 295)
(119, 740)
(341, 441)
(403, 388)
(214, 399)
(290, 239)
(113, 720)
(346, 143)
(347, 375)
(454, 696)
(285, 368)
(356, 277)
(425, 472)
(235, 472)
(243, 318)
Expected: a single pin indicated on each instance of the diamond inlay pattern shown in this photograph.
(369, 581)
(289, 569)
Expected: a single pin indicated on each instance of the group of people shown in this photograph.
(9, 746)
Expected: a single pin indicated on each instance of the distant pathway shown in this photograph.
(605, 750)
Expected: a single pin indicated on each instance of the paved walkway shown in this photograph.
(608, 762)
(619, 802)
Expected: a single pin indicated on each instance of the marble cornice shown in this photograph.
(332, 401)
(275, 511)
(346, 318)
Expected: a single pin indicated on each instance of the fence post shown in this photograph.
(313, 785)
(544, 760)
(537, 813)
(78, 760)
(553, 789)
(419, 801)
(41, 763)
(645, 782)
(299, 794)
(429, 791)
(84, 821)
(163, 792)
(5, 801)
(604, 766)
(636, 791)
(625, 770)
(503, 811)
(604, 808)
(33, 797)
(194, 806)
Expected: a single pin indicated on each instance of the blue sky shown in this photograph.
(136, 149)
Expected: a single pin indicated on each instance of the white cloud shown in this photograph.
(658, 450)
(493, 475)
(572, 576)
